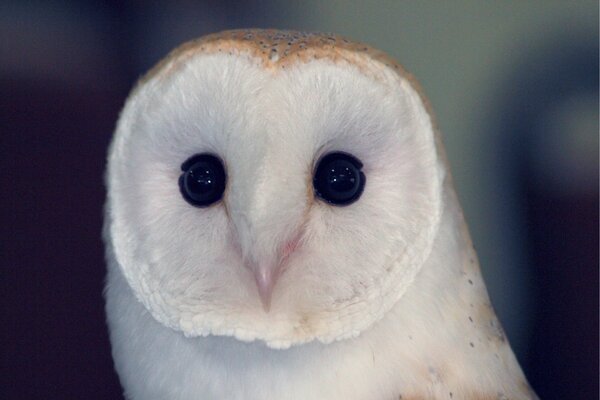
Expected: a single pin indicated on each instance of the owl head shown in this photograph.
(273, 185)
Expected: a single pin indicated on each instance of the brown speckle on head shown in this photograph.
(291, 47)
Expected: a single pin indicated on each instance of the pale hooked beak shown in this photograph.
(265, 277)
(266, 274)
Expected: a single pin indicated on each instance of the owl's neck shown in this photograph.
(446, 325)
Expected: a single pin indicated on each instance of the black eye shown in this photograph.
(338, 179)
(203, 180)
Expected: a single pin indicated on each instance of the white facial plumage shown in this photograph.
(271, 263)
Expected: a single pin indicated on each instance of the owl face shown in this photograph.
(284, 197)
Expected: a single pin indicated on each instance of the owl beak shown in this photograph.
(265, 281)
(266, 274)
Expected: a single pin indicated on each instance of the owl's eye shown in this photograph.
(338, 179)
(202, 182)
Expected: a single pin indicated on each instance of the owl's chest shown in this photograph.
(155, 362)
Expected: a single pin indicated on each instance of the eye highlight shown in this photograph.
(202, 182)
(338, 179)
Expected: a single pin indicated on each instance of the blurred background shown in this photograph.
(515, 88)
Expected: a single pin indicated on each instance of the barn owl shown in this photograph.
(281, 224)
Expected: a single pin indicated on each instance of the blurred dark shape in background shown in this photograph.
(66, 68)
(551, 109)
